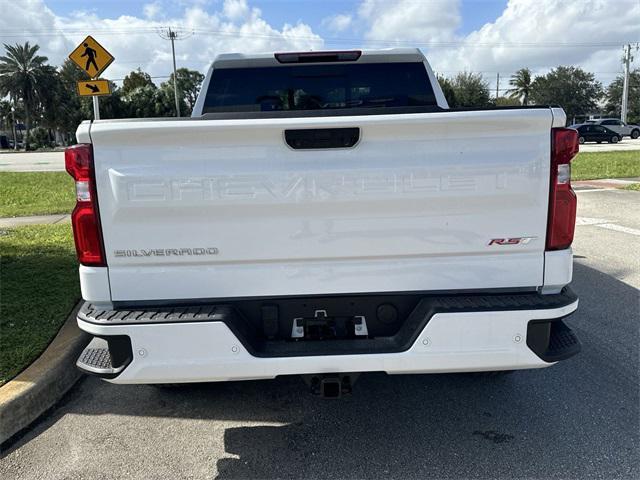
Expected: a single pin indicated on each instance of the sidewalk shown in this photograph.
(32, 162)
(604, 183)
(34, 220)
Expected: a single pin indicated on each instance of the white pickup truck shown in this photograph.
(324, 214)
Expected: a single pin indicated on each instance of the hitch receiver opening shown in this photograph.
(331, 386)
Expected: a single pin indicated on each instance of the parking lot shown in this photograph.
(578, 419)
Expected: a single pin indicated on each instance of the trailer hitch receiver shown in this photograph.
(331, 385)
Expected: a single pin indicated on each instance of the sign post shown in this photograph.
(96, 108)
(93, 58)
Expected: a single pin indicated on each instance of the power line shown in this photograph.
(8, 33)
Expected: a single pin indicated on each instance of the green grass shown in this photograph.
(36, 193)
(594, 165)
(633, 186)
(38, 288)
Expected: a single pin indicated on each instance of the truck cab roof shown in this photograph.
(388, 55)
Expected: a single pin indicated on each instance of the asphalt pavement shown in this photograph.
(576, 420)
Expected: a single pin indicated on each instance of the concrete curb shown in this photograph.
(44, 382)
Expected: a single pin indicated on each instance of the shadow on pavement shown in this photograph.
(578, 419)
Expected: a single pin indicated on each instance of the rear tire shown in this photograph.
(581, 140)
(635, 134)
(614, 139)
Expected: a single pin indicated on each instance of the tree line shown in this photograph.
(575, 90)
(44, 98)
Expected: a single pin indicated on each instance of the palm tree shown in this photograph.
(521, 83)
(23, 75)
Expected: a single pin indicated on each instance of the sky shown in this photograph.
(486, 36)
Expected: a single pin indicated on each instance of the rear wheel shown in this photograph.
(614, 139)
(581, 140)
(635, 134)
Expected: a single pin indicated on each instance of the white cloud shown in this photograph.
(236, 9)
(434, 25)
(337, 23)
(540, 34)
(410, 20)
(151, 10)
(32, 15)
(134, 41)
(543, 34)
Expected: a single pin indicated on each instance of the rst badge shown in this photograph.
(511, 241)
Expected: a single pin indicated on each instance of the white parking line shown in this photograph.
(604, 223)
(589, 189)
(619, 228)
(590, 221)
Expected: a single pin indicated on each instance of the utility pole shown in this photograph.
(628, 58)
(174, 35)
(625, 85)
(497, 84)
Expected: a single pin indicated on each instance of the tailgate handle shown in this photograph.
(310, 138)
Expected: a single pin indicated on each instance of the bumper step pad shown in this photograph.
(563, 343)
(552, 340)
(97, 359)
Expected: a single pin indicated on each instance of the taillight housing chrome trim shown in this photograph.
(562, 199)
(85, 218)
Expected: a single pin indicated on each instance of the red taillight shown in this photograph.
(562, 199)
(85, 219)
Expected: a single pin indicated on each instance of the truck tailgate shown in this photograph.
(197, 208)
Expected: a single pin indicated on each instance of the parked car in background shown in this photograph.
(623, 129)
(589, 132)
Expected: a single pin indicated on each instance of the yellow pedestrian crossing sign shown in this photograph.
(89, 88)
(91, 57)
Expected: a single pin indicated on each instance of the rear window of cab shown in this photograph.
(319, 87)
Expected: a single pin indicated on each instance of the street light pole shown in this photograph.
(13, 124)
